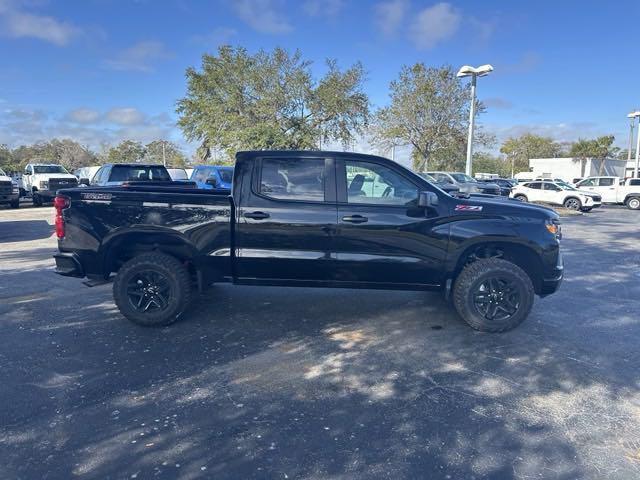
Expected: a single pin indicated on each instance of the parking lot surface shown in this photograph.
(321, 384)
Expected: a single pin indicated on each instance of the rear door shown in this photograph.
(534, 191)
(285, 223)
(383, 237)
(552, 193)
(607, 188)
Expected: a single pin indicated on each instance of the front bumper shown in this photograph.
(553, 279)
(68, 265)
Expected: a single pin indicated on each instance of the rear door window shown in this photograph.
(534, 185)
(606, 182)
(293, 179)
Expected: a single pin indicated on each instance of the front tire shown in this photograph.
(493, 295)
(37, 200)
(152, 289)
(633, 203)
(573, 204)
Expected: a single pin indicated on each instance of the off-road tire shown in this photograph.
(573, 203)
(633, 203)
(172, 270)
(473, 275)
(521, 198)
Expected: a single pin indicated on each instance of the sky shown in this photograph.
(99, 71)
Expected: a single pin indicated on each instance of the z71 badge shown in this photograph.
(468, 208)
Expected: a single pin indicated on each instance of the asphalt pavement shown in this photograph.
(283, 383)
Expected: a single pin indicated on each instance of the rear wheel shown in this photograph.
(493, 295)
(152, 289)
(633, 203)
(573, 203)
(520, 197)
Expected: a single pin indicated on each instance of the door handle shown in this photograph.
(256, 215)
(355, 219)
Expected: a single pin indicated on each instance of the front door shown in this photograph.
(383, 237)
(286, 221)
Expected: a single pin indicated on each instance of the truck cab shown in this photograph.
(614, 190)
(42, 180)
(9, 191)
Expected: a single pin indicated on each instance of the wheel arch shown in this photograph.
(525, 256)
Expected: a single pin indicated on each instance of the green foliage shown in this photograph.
(172, 154)
(127, 151)
(486, 163)
(270, 101)
(601, 147)
(518, 150)
(429, 110)
(66, 152)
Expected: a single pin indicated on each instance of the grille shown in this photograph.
(5, 188)
(58, 183)
(596, 198)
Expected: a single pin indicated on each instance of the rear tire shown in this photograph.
(633, 203)
(573, 203)
(154, 280)
(521, 198)
(493, 295)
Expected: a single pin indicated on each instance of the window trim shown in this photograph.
(329, 181)
(341, 183)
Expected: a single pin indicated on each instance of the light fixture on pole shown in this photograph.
(468, 71)
(632, 117)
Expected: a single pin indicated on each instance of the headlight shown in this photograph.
(44, 185)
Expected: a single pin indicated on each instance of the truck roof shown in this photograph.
(305, 153)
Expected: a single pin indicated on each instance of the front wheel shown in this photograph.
(152, 289)
(521, 198)
(633, 203)
(573, 204)
(493, 295)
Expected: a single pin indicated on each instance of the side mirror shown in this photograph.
(213, 181)
(84, 181)
(27, 173)
(427, 199)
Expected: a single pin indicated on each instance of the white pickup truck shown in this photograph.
(9, 191)
(614, 190)
(41, 181)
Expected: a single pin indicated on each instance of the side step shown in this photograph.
(97, 282)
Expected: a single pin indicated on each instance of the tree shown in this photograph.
(66, 152)
(519, 150)
(486, 163)
(127, 151)
(270, 101)
(599, 148)
(429, 110)
(172, 153)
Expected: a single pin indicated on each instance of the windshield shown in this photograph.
(127, 173)
(462, 178)
(49, 169)
(565, 186)
(226, 174)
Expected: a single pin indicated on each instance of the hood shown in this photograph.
(490, 204)
(4, 178)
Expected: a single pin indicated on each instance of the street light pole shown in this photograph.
(635, 171)
(472, 115)
(632, 116)
(474, 73)
(632, 122)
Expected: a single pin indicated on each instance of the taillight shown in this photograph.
(60, 203)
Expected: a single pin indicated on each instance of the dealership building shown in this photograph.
(569, 168)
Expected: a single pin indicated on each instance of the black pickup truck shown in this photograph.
(313, 219)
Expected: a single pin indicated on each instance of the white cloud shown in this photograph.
(218, 36)
(434, 25)
(16, 23)
(264, 16)
(326, 8)
(83, 115)
(125, 116)
(497, 102)
(140, 57)
(389, 15)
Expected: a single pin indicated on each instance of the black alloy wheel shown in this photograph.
(149, 290)
(496, 298)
